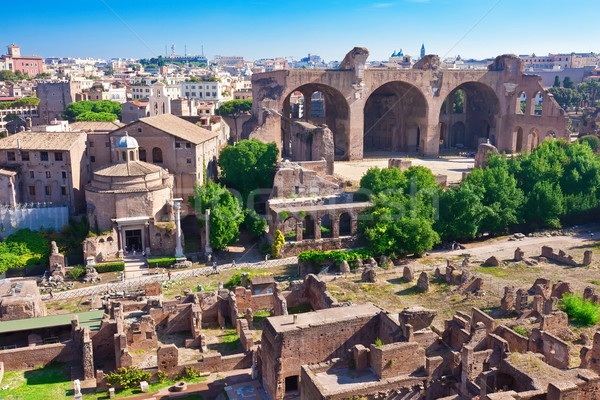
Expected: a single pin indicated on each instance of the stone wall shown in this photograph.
(103, 248)
(38, 356)
(402, 358)
(316, 291)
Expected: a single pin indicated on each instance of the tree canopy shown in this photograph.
(248, 165)
(233, 107)
(96, 116)
(73, 110)
(226, 213)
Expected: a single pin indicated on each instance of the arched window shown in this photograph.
(142, 154)
(124, 156)
(539, 103)
(131, 155)
(522, 103)
(157, 155)
(164, 111)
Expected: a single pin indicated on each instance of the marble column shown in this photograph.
(179, 247)
(207, 248)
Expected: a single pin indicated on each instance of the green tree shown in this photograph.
(591, 140)
(254, 223)
(96, 116)
(460, 213)
(544, 205)
(386, 180)
(248, 165)
(226, 213)
(235, 109)
(556, 81)
(6, 75)
(79, 107)
(459, 102)
(568, 83)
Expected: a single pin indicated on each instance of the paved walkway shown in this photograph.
(148, 276)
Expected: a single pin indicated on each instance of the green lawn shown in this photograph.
(54, 382)
(51, 382)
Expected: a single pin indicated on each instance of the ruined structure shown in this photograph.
(20, 300)
(409, 110)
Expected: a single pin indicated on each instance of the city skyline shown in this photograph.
(261, 29)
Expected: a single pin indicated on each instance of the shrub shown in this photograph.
(191, 372)
(521, 331)
(236, 279)
(254, 223)
(75, 273)
(128, 377)
(110, 267)
(265, 248)
(162, 376)
(335, 256)
(278, 242)
(161, 262)
(582, 311)
(378, 342)
(591, 140)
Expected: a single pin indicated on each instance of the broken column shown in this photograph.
(519, 254)
(423, 282)
(408, 273)
(587, 257)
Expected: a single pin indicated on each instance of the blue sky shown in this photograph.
(265, 29)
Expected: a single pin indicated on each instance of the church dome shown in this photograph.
(126, 142)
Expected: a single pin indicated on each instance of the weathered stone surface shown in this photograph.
(369, 275)
(167, 358)
(519, 254)
(418, 317)
(507, 302)
(91, 275)
(408, 273)
(587, 257)
(484, 151)
(344, 267)
(493, 261)
(385, 262)
(423, 282)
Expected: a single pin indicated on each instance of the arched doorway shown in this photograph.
(538, 105)
(394, 116)
(470, 110)
(519, 144)
(308, 228)
(289, 229)
(522, 103)
(345, 224)
(330, 107)
(326, 227)
(533, 139)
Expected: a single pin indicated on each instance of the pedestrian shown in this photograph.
(233, 262)
(134, 252)
(164, 271)
(51, 293)
(266, 257)
(122, 277)
(214, 267)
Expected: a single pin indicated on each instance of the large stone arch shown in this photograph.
(395, 118)
(479, 116)
(336, 115)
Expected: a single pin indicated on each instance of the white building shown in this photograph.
(147, 90)
(205, 91)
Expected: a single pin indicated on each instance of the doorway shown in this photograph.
(291, 383)
(133, 239)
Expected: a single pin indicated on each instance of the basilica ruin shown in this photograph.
(370, 110)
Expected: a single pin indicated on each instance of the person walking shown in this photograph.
(169, 275)
(214, 267)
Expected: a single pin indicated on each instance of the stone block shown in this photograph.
(423, 282)
(418, 317)
(344, 267)
(144, 386)
(408, 273)
(369, 275)
(493, 261)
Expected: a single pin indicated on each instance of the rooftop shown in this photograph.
(91, 319)
(105, 126)
(41, 141)
(131, 168)
(285, 323)
(178, 127)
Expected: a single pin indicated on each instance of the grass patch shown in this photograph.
(49, 382)
(521, 331)
(502, 271)
(583, 312)
(594, 282)
(152, 387)
(231, 341)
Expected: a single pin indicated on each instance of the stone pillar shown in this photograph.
(356, 128)
(307, 105)
(120, 240)
(317, 228)
(299, 227)
(147, 231)
(335, 227)
(354, 225)
(179, 247)
(207, 248)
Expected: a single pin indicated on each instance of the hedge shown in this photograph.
(335, 256)
(161, 262)
(75, 273)
(110, 267)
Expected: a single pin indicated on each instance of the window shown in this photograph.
(91, 144)
(188, 145)
(44, 155)
(48, 174)
(64, 174)
(157, 155)
(10, 156)
(32, 190)
(47, 190)
(58, 156)
(31, 174)
(177, 145)
(92, 159)
(193, 93)
(139, 130)
(63, 190)
(142, 154)
(25, 156)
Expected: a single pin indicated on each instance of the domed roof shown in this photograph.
(126, 142)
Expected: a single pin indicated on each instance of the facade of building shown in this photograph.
(52, 167)
(134, 110)
(186, 150)
(14, 61)
(145, 89)
(132, 197)
(54, 98)
(203, 91)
